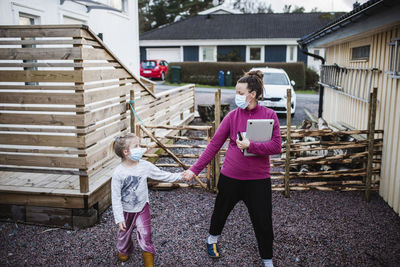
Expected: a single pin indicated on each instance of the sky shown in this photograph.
(322, 5)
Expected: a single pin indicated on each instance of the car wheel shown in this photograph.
(162, 76)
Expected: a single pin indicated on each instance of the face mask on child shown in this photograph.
(135, 153)
(240, 101)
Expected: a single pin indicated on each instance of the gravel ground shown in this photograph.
(312, 228)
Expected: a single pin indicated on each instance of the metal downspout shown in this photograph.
(321, 88)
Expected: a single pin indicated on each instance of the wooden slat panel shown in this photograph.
(41, 87)
(97, 75)
(40, 76)
(40, 53)
(44, 161)
(42, 98)
(49, 42)
(43, 150)
(95, 96)
(93, 117)
(42, 140)
(95, 54)
(107, 131)
(42, 119)
(45, 32)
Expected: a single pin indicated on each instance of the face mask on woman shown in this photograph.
(136, 153)
(240, 101)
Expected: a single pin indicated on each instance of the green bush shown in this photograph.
(312, 78)
(207, 72)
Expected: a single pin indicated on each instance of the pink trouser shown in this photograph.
(140, 221)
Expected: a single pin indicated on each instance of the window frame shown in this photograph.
(288, 48)
(364, 59)
(262, 53)
(214, 53)
(394, 58)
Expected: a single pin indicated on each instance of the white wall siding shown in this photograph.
(338, 107)
(120, 30)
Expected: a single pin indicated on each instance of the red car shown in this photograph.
(156, 68)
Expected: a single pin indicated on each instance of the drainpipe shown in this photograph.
(321, 88)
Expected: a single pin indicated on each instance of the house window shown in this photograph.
(291, 53)
(255, 53)
(118, 4)
(208, 53)
(394, 58)
(316, 52)
(360, 52)
(25, 19)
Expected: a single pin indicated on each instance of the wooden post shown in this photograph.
(213, 161)
(288, 141)
(83, 179)
(133, 117)
(217, 119)
(371, 133)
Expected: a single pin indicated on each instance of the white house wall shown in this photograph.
(120, 30)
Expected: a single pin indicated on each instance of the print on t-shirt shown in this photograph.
(128, 189)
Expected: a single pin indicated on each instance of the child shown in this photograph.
(130, 200)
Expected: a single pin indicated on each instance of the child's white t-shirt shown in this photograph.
(129, 190)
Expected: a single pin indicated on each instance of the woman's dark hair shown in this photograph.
(254, 80)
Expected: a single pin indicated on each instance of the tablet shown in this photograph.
(259, 131)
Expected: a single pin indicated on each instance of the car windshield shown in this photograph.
(275, 78)
(148, 64)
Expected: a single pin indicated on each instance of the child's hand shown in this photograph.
(122, 226)
(188, 175)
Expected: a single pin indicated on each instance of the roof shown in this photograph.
(219, 10)
(361, 12)
(241, 26)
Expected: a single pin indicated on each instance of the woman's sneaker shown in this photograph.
(213, 250)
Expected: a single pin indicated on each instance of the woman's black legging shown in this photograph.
(256, 194)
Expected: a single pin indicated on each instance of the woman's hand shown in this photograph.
(122, 226)
(244, 144)
(188, 175)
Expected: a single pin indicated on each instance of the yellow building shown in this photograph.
(363, 52)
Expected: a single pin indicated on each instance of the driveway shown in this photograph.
(206, 96)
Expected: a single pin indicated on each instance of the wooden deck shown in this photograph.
(55, 190)
(53, 199)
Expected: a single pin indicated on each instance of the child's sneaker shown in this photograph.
(122, 257)
(213, 250)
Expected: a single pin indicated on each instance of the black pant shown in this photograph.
(256, 194)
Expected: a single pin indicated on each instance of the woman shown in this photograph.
(243, 178)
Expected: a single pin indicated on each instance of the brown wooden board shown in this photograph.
(40, 76)
(49, 216)
(40, 53)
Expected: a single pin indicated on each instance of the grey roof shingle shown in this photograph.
(240, 26)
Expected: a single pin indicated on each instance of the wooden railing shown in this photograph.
(64, 98)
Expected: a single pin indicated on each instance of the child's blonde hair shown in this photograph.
(122, 143)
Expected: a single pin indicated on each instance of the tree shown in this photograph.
(315, 9)
(154, 13)
(298, 9)
(286, 8)
(251, 6)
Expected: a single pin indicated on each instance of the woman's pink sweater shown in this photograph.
(236, 165)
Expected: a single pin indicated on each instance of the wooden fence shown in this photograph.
(64, 96)
(322, 159)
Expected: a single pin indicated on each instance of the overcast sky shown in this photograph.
(322, 5)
